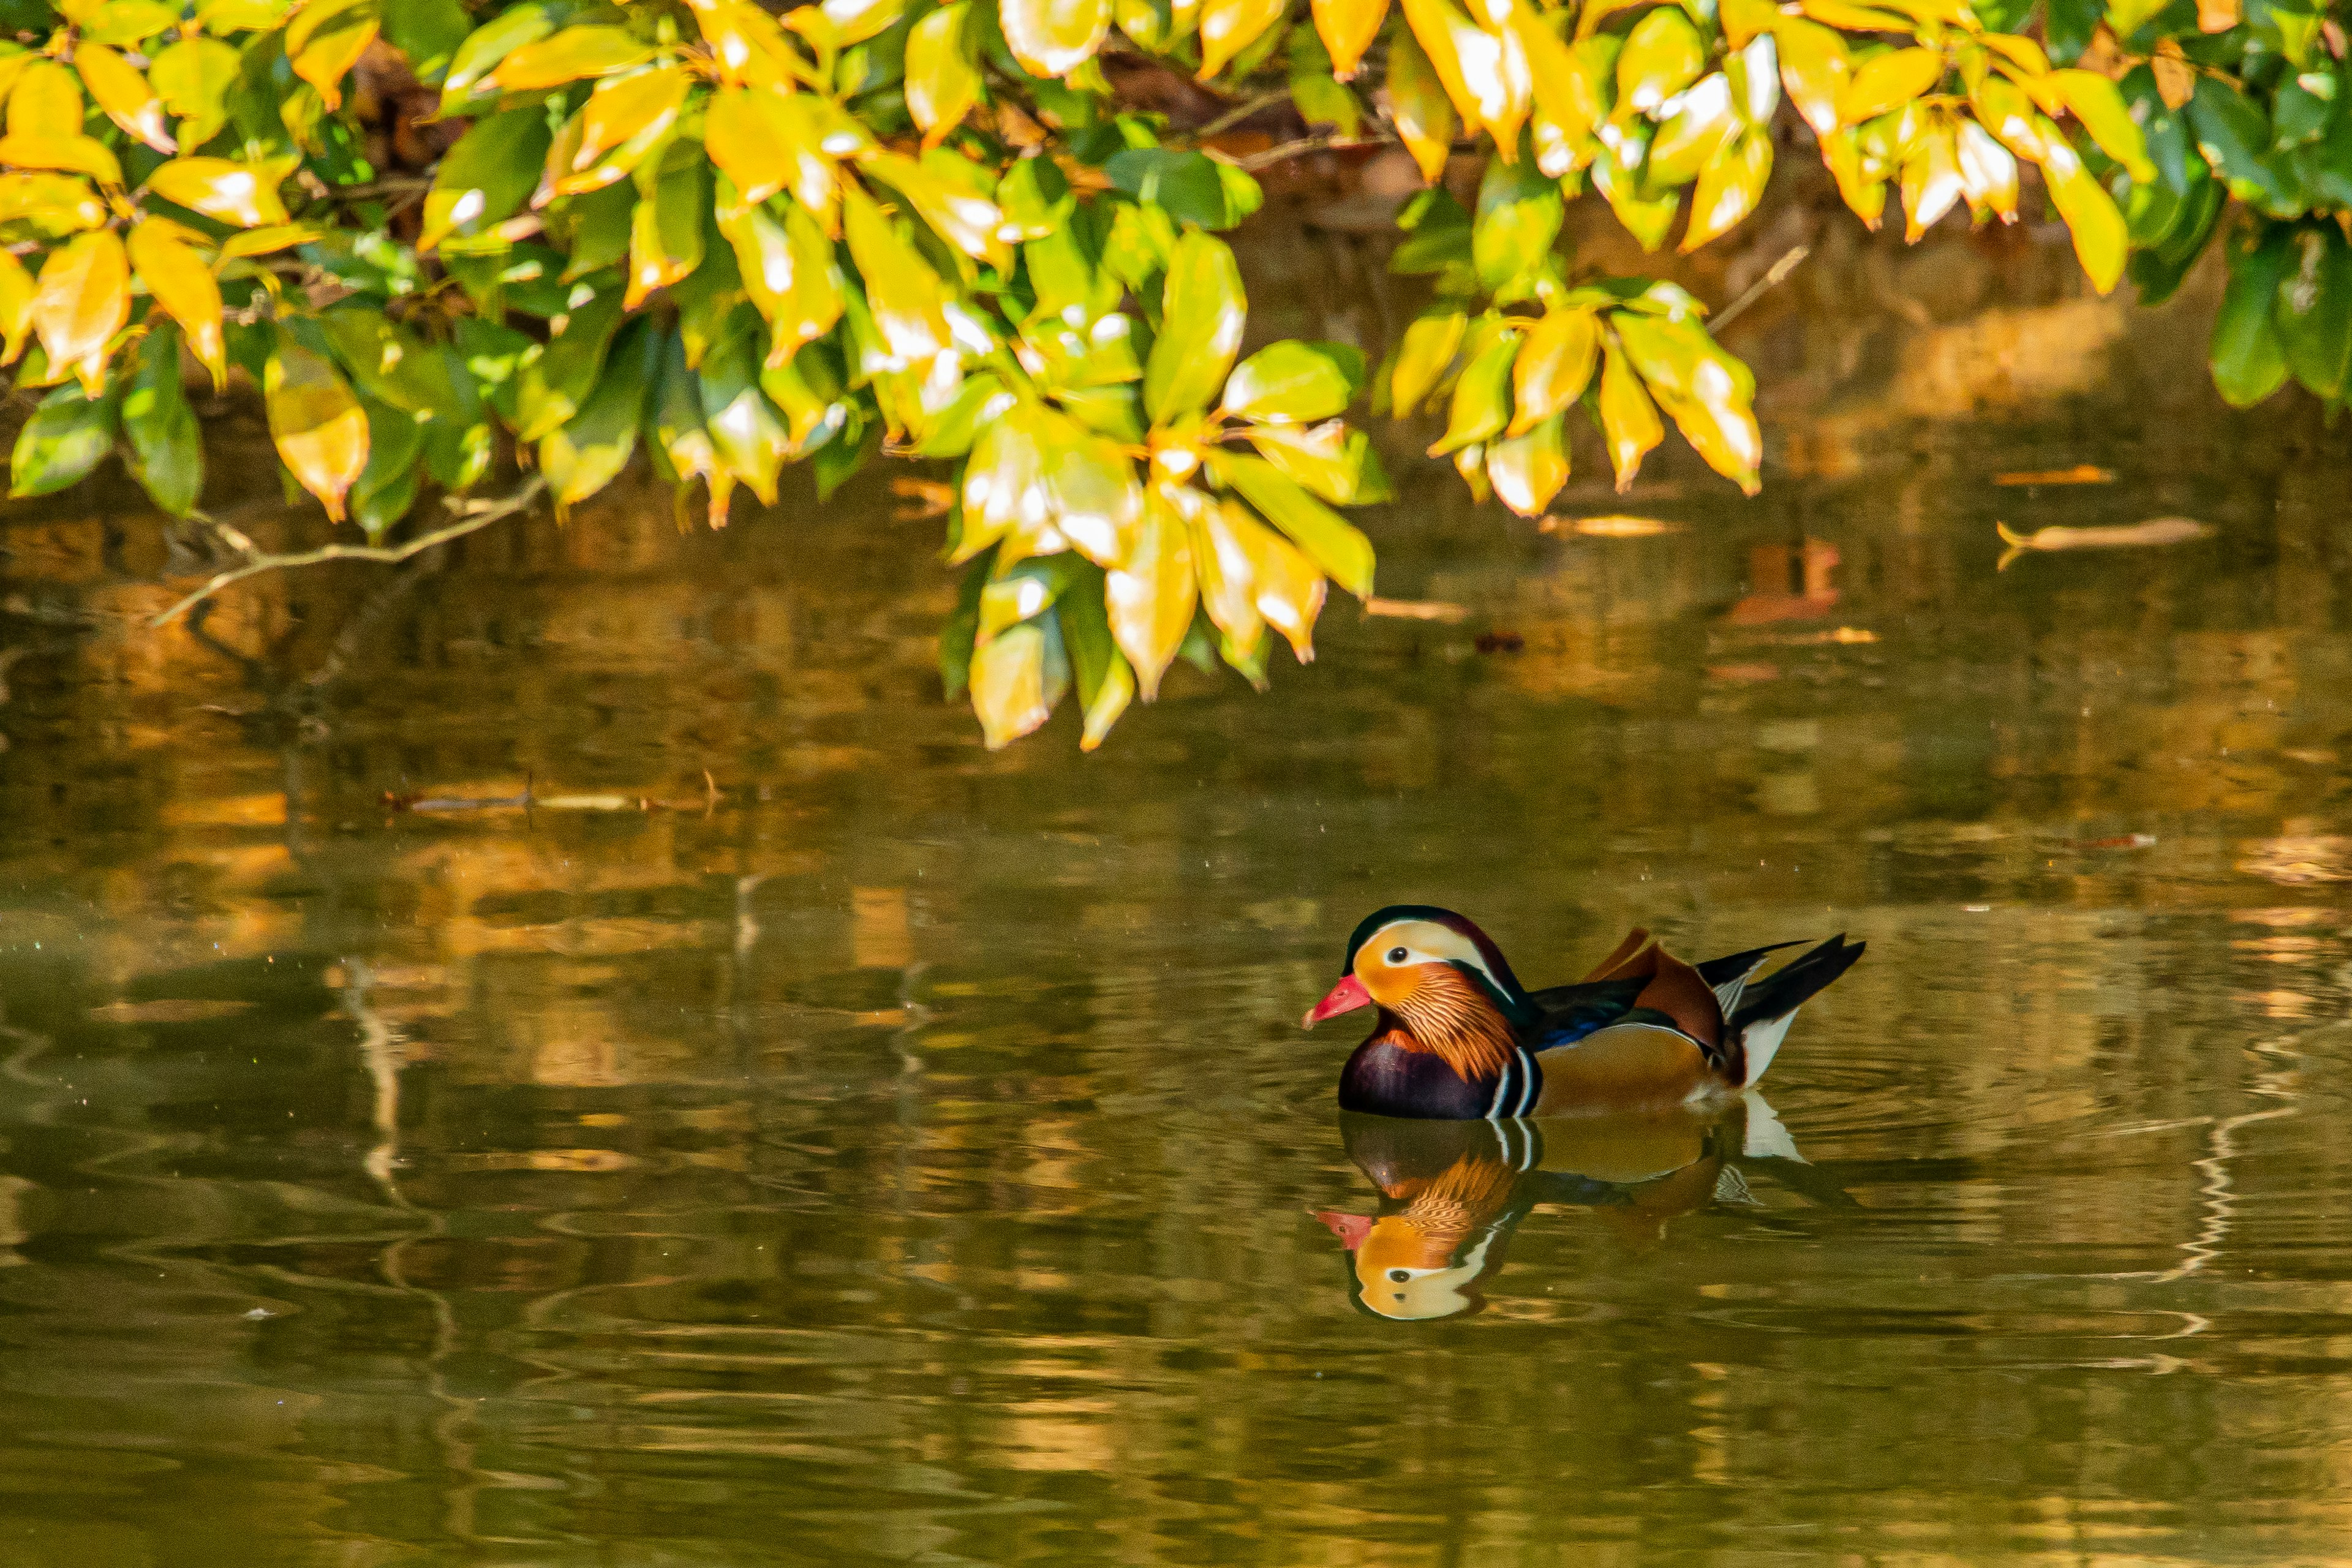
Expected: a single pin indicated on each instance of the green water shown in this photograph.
(883, 1151)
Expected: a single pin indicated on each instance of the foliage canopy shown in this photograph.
(733, 238)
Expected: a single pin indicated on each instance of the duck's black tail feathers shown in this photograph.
(1760, 1015)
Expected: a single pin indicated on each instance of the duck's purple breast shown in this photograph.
(1388, 1080)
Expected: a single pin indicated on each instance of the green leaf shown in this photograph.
(492, 42)
(1202, 309)
(429, 33)
(387, 487)
(1662, 55)
(167, 452)
(2303, 108)
(2249, 361)
(67, 435)
(1482, 397)
(746, 432)
(1330, 459)
(1337, 546)
(1106, 682)
(2093, 100)
(1195, 188)
(956, 637)
(192, 77)
(553, 386)
(1295, 383)
(486, 178)
(1710, 395)
(2314, 310)
(2235, 135)
(1519, 212)
(2158, 272)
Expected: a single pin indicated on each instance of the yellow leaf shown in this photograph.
(82, 300)
(239, 193)
(1730, 188)
(1814, 68)
(118, 89)
(1564, 91)
(570, 56)
(1884, 83)
(2219, 16)
(58, 203)
(1710, 395)
(1528, 470)
(318, 425)
(1988, 172)
(1841, 150)
(942, 70)
(17, 287)
(1420, 107)
(1629, 420)
(1221, 569)
(1488, 89)
(264, 241)
(1932, 186)
(1055, 37)
(1348, 28)
(1010, 691)
(1285, 588)
(2101, 240)
(656, 259)
(1229, 27)
(72, 155)
(627, 109)
(183, 286)
(747, 45)
(46, 102)
(1152, 595)
(1554, 367)
(325, 41)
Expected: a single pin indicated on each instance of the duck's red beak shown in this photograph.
(1346, 997)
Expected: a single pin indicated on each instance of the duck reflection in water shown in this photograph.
(1452, 1191)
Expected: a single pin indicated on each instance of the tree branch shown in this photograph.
(475, 515)
(1289, 150)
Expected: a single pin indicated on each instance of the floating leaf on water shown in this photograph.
(2080, 474)
(1612, 525)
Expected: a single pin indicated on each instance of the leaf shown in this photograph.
(46, 102)
(1884, 83)
(1151, 597)
(2093, 100)
(909, 299)
(790, 274)
(1018, 591)
(1106, 683)
(751, 140)
(1418, 104)
(1230, 26)
(1189, 186)
(1710, 395)
(1628, 421)
(1486, 76)
(1295, 383)
(1348, 28)
(16, 292)
(1662, 55)
(1567, 92)
(1703, 121)
(590, 450)
(573, 55)
(1202, 309)
(319, 427)
(70, 434)
(1012, 685)
(1286, 591)
(1424, 354)
(1731, 185)
(82, 299)
(489, 45)
(627, 113)
(1988, 172)
(1814, 68)
(428, 34)
(673, 418)
(1329, 460)
(192, 77)
(1055, 37)
(1617, 175)
(2235, 135)
(123, 95)
(387, 487)
(1338, 547)
(938, 193)
(184, 286)
(72, 155)
(1528, 469)
(956, 633)
(666, 230)
(2101, 241)
(554, 384)
(2248, 357)
(751, 441)
(484, 178)
(1091, 488)
(326, 39)
(1554, 366)
(1932, 186)
(1519, 213)
(2314, 311)
(242, 195)
(943, 77)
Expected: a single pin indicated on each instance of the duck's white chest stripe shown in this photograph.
(1516, 1090)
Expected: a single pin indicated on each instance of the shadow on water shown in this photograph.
(572, 1053)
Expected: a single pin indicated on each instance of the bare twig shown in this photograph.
(1756, 291)
(474, 515)
(1240, 112)
(1300, 148)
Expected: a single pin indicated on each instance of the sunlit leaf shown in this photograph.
(1815, 69)
(1329, 460)
(1151, 597)
(1055, 37)
(1486, 74)
(1932, 184)
(46, 102)
(1295, 383)
(1988, 172)
(571, 54)
(1286, 589)
(181, 283)
(1418, 103)
(486, 177)
(1423, 356)
(326, 39)
(16, 293)
(1519, 215)
(118, 89)
(967, 220)
(943, 77)
(1730, 188)
(590, 450)
(909, 299)
(1482, 394)
(1554, 366)
(1528, 469)
(554, 384)
(625, 111)
(1662, 55)
(1230, 26)
(1885, 82)
(489, 45)
(1202, 310)
(319, 427)
(67, 435)
(751, 440)
(1629, 420)
(244, 195)
(1703, 121)
(69, 154)
(1348, 28)
(1338, 547)
(192, 77)
(1710, 395)
(1014, 687)
(790, 273)
(1106, 682)
(82, 299)
(2093, 100)
(2101, 241)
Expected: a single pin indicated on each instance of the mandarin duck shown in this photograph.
(1452, 1192)
(1457, 1037)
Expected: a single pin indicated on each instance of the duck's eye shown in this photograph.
(1400, 1275)
(1396, 955)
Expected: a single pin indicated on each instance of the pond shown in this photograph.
(796, 1135)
